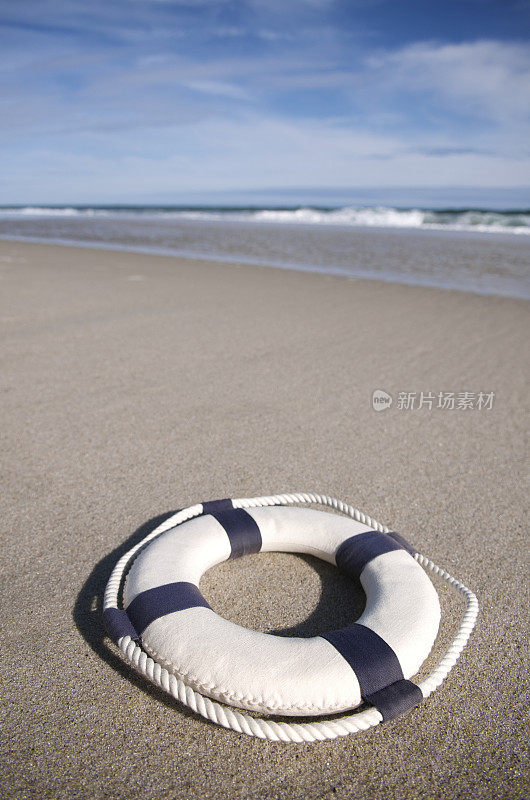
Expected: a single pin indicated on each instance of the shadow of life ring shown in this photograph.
(155, 613)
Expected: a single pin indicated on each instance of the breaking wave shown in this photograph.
(465, 219)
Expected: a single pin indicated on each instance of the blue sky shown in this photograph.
(161, 101)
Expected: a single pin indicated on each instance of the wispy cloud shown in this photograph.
(487, 77)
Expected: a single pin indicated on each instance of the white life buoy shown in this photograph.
(170, 633)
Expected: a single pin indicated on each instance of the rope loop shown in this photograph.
(235, 720)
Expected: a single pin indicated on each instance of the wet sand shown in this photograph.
(485, 263)
(136, 384)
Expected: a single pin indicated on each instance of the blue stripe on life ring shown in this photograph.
(377, 669)
(118, 624)
(161, 600)
(374, 662)
(396, 699)
(212, 506)
(241, 529)
(403, 542)
(356, 552)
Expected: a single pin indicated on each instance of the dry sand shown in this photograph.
(133, 385)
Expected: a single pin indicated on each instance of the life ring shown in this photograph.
(169, 632)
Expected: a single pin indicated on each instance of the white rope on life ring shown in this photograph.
(161, 595)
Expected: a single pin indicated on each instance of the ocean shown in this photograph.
(477, 250)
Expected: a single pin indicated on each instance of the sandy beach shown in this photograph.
(134, 385)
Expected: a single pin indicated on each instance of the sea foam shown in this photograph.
(477, 220)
